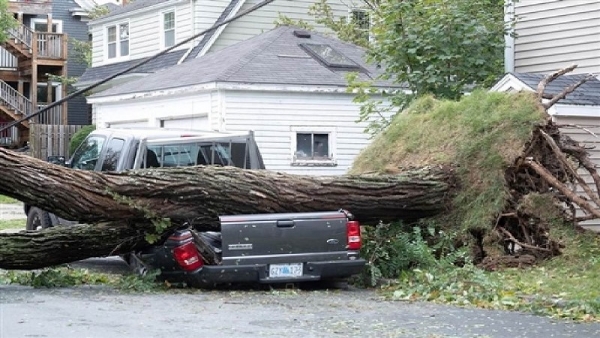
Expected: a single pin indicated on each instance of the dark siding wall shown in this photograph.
(75, 29)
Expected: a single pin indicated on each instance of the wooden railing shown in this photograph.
(12, 98)
(51, 45)
(22, 34)
(54, 116)
(7, 60)
(9, 136)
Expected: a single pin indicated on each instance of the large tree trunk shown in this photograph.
(128, 203)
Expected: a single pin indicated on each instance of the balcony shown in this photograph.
(30, 6)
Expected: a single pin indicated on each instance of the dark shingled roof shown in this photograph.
(274, 57)
(102, 72)
(587, 94)
(210, 34)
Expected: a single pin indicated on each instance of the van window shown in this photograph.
(113, 154)
(86, 156)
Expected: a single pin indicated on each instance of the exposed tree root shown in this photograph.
(542, 184)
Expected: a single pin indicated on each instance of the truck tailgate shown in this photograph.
(284, 238)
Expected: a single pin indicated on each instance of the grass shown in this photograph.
(7, 200)
(563, 287)
(12, 224)
(481, 134)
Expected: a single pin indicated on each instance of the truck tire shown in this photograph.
(38, 219)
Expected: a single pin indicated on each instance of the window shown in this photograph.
(113, 154)
(204, 153)
(168, 29)
(329, 56)
(362, 19)
(117, 41)
(312, 147)
(86, 156)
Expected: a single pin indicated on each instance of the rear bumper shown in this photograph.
(312, 271)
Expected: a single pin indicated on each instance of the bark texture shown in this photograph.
(198, 195)
(124, 206)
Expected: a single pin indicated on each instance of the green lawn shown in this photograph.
(7, 200)
(12, 224)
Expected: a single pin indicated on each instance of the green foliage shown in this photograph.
(160, 224)
(137, 283)
(54, 277)
(98, 11)
(376, 107)
(82, 51)
(440, 47)
(62, 277)
(346, 30)
(7, 20)
(283, 20)
(79, 136)
(481, 134)
(564, 287)
(392, 249)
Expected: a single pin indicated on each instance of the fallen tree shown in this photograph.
(126, 206)
(491, 185)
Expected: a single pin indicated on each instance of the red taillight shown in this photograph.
(353, 232)
(187, 256)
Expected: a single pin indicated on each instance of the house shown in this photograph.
(36, 47)
(551, 35)
(287, 85)
(142, 28)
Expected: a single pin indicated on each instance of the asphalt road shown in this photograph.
(103, 312)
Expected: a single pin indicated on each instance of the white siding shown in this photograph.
(553, 34)
(145, 32)
(207, 12)
(584, 137)
(154, 110)
(274, 115)
(264, 19)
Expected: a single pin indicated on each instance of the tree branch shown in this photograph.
(566, 91)
(554, 182)
(551, 77)
(523, 245)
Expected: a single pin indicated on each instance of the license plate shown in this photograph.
(285, 270)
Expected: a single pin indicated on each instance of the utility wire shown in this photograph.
(141, 63)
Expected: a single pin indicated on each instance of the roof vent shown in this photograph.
(302, 34)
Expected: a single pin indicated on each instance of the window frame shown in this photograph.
(331, 133)
(163, 31)
(117, 42)
(369, 14)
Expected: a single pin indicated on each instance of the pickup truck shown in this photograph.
(264, 248)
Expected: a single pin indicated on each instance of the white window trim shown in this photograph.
(119, 58)
(162, 27)
(59, 23)
(56, 87)
(332, 146)
(362, 9)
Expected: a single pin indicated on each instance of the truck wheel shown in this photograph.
(38, 219)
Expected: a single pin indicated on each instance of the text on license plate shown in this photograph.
(285, 270)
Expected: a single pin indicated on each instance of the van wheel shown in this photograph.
(38, 219)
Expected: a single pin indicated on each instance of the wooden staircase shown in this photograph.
(36, 53)
(14, 104)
